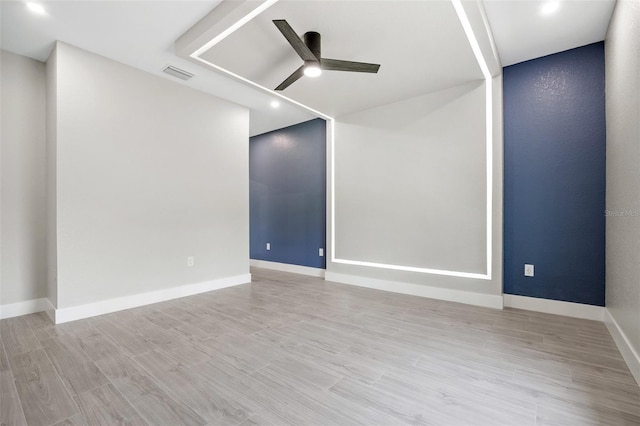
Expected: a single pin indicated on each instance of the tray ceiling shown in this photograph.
(421, 47)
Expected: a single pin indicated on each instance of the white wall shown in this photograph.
(622, 57)
(410, 190)
(410, 182)
(23, 179)
(52, 137)
(148, 173)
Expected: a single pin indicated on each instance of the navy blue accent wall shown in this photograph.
(554, 176)
(287, 171)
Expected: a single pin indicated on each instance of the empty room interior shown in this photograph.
(315, 212)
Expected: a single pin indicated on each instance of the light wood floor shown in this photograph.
(289, 349)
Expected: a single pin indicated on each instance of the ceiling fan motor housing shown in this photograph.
(312, 41)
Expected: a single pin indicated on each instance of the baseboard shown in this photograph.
(467, 297)
(628, 352)
(285, 267)
(127, 302)
(556, 307)
(25, 308)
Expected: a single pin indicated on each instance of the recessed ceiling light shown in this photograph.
(275, 104)
(36, 8)
(312, 69)
(549, 7)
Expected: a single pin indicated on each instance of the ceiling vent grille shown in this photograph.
(177, 72)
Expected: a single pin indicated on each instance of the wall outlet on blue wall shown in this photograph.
(268, 246)
(528, 270)
(320, 252)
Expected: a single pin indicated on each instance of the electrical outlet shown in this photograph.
(320, 252)
(268, 246)
(190, 261)
(528, 270)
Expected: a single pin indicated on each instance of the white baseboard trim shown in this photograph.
(556, 307)
(628, 352)
(121, 303)
(467, 297)
(285, 267)
(25, 308)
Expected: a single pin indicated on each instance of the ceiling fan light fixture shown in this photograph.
(310, 52)
(312, 69)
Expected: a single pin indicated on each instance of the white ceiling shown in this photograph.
(418, 44)
(522, 31)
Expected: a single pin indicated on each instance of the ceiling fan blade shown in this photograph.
(338, 65)
(296, 42)
(291, 79)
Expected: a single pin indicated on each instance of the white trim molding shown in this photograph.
(25, 308)
(121, 303)
(286, 267)
(468, 297)
(628, 352)
(556, 307)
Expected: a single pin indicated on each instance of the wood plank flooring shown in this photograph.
(294, 350)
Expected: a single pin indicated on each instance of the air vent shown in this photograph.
(177, 72)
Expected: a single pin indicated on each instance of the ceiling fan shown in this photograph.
(309, 50)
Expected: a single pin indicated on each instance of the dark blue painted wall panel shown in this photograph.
(287, 171)
(554, 176)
